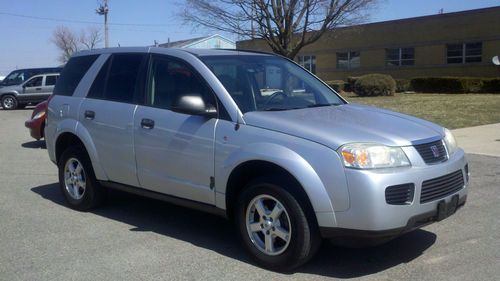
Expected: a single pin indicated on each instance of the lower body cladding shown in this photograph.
(387, 203)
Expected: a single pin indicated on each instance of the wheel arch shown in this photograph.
(82, 137)
(271, 159)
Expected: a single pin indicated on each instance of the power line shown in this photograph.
(80, 21)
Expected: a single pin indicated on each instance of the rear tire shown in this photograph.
(77, 180)
(9, 102)
(277, 242)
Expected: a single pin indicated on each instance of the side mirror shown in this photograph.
(193, 104)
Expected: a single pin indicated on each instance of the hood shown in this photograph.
(10, 88)
(334, 126)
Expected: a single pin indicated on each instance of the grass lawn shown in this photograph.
(448, 110)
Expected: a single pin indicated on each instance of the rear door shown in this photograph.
(48, 85)
(108, 114)
(174, 151)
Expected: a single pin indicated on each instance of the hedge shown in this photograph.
(375, 85)
(337, 85)
(455, 85)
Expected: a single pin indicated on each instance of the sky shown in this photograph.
(25, 39)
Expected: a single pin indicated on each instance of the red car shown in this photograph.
(37, 122)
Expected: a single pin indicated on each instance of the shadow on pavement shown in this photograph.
(35, 144)
(217, 234)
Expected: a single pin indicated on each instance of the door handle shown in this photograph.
(38, 89)
(147, 123)
(89, 115)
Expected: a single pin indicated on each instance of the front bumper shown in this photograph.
(370, 215)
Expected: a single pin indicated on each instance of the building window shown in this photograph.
(308, 62)
(465, 52)
(348, 60)
(400, 56)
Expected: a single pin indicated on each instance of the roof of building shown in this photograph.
(189, 42)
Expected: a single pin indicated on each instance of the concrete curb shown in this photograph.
(484, 140)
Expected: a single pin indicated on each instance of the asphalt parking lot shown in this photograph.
(133, 238)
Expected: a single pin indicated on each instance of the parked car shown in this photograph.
(18, 76)
(36, 124)
(37, 89)
(192, 127)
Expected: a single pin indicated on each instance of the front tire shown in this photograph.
(9, 102)
(274, 227)
(77, 180)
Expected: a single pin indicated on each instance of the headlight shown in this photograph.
(449, 140)
(372, 156)
(39, 115)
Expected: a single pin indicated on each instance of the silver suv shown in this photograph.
(252, 137)
(36, 89)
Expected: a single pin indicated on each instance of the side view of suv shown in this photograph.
(19, 76)
(36, 89)
(290, 166)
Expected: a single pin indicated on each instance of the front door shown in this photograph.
(174, 151)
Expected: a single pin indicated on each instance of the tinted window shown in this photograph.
(171, 80)
(97, 89)
(72, 73)
(123, 76)
(35, 82)
(51, 80)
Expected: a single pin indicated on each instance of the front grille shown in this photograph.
(432, 152)
(441, 187)
(400, 194)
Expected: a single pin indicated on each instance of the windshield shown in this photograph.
(14, 78)
(269, 83)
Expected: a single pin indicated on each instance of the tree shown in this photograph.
(68, 42)
(286, 25)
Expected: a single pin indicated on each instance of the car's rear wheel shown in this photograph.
(9, 102)
(274, 227)
(77, 180)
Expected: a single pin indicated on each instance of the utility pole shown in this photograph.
(103, 11)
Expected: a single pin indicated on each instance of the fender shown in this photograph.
(291, 162)
(75, 127)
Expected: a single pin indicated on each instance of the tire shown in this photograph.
(9, 102)
(82, 191)
(303, 234)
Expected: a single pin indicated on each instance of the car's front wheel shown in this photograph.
(77, 180)
(9, 102)
(274, 226)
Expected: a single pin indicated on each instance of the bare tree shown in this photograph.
(90, 38)
(286, 25)
(69, 42)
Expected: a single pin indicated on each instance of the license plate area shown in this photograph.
(445, 210)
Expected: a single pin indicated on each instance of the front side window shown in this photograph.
(348, 60)
(464, 53)
(34, 82)
(269, 83)
(308, 62)
(171, 79)
(400, 56)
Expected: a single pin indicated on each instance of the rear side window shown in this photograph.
(50, 80)
(97, 89)
(72, 73)
(123, 77)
